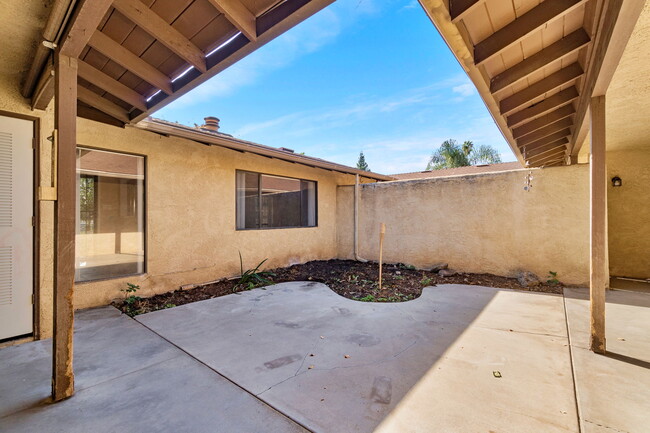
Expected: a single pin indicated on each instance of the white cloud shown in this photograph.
(465, 89)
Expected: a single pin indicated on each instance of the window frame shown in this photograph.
(145, 208)
(259, 189)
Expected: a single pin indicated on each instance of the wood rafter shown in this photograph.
(112, 86)
(157, 27)
(548, 139)
(239, 16)
(529, 22)
(561, 141)
(545, 131)
(547, 105)
(547, 148)
(552, 82)
(560, 153)
(87, 17)
(130, 61)
(94, 100)
(459, 8)
(545, 57)
(540, 122)
(44, 91)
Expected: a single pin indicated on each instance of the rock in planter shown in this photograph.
(446, 272)
(438, 267)
(528, 279)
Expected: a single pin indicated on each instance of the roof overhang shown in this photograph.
(536, 67)
(222, 140)
(136, 56)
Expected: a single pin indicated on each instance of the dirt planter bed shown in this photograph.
(352, 279)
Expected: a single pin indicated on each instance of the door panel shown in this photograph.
(16, 232)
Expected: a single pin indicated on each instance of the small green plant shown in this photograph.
(253, 277)
(367, 298)
(354, 279)
(170, 305)
(552, 278)
(131, 299)
(425, 281)
(398, 277)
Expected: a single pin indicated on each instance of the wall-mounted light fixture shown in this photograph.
(616, 181)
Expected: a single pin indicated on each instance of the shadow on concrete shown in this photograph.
(628, 359)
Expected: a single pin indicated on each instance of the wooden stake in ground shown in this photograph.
(382, 233)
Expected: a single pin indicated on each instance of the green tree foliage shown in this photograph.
(450, 154)
(361, 163)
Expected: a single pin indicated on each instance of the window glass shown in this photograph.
(265, 201)
(110, 215)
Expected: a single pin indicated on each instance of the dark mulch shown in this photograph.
(354, 280)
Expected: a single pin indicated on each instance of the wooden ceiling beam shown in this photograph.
(548, 139)
(521, 27)
(547, 105)
(550, 157)
(94, 114)
(239, 16)
(559, 142)
(130, 61)
(87, 17)
(537, 61)
(112, 86)
(534, 125)
(458, 9)
(567, 122)
(104, 105)
(44, 90)
(552, 82)
(547, 148)
(167, 35)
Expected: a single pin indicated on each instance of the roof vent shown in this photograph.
(286, 149)
(211, 124)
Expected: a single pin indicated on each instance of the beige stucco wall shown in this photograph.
(477, 223)
(190, 217)
(629, 213)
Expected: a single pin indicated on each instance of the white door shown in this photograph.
(16, 235)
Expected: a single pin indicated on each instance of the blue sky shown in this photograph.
(361, 75)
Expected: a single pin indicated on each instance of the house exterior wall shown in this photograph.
(477, 223)
(629, 213)
(190, 213)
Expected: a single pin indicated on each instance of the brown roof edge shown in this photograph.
(224, 140)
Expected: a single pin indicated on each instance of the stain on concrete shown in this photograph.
(382, 390)
(290, 325)
(281, 362)
(342, 311)
(363, 340)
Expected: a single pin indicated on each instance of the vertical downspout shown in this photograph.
(356, 221)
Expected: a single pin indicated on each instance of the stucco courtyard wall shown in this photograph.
(477, 223)
(190, 213)
(629, 213)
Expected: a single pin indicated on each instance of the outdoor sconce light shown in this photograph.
(616, 181)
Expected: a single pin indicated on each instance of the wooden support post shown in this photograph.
(65, 122)
(382, 233)
(599, 268)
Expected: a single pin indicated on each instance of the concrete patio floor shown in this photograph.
(298, 355)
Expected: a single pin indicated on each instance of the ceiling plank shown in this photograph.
(534, 125)
(459, 8)
(130, 61)
(87, 17)
(239, 16)
(548, 84)
(94, 100)
(91, 113)
(167, 35)
(567, 122)
(529, 22)
(549, 104)
(112, 86)
(548, 139)
(537, 61)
